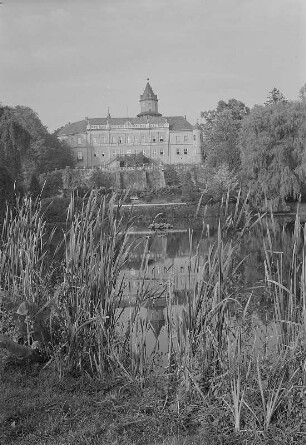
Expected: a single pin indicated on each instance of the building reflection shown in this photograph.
(161, 266)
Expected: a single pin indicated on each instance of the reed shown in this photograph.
(284, 272)
(96, 249)
(22, 252)
(198, 337)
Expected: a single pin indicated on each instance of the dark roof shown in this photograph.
(74, 128)
(197, 126)
(148, 93)
(176, 123)
(179, 123)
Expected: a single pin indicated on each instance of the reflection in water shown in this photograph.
(171, 264)
(156, 318)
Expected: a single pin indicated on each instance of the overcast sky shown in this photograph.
(69, 59)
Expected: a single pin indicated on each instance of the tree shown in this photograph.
(223, 181)
(272, 145)
(274, 97)
(30, 121)
(14, 143)
(302, 92)
(45, 150)
(52, 154)
(220, 133)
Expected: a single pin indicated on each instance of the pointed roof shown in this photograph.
(148, 93)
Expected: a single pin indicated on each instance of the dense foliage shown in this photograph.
(27, 148)
(272, 145)
(14, 143)
(220, 133)
(263, 147)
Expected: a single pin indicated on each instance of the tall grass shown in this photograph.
(285, 273)
(207, 351)
(22, 252)
(203, 327)
(96, 249)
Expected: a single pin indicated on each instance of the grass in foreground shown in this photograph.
(38, 408)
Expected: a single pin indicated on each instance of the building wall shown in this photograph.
(99, 147)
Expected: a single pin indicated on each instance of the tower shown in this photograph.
(148, 102)
(197, 143)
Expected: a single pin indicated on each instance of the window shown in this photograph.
(185, 138)
(185, 151)
(114, 139)
(80, 156)
(103, 140)
(136, 139)
(120, 139)
(153, 138)
(177, 138)
(177, 151)
(194, 137)
(79, 140)
(102, 154)
(114, 153)
(95, 155)
(129, 139)
(161, 152)
(161, 138)
(154, 152)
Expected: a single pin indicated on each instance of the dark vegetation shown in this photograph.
(263, 147)
(78, 374)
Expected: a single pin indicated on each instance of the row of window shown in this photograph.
(99, 140)
(161, 152)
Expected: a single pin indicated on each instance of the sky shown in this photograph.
(69, 59)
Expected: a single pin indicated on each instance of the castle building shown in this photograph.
(96, 142)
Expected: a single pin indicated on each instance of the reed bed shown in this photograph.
(209, 355)
(22, 253)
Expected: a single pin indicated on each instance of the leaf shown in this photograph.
(23, 309)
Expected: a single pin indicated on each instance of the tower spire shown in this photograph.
(148, 102)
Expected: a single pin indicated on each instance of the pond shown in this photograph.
(170, 260)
